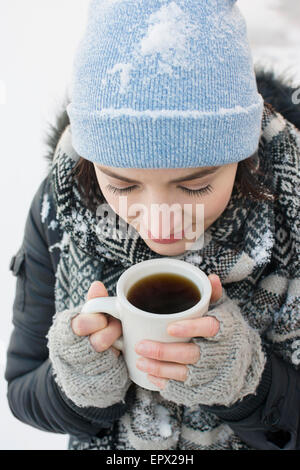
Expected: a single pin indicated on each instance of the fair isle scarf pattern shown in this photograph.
(253, 247)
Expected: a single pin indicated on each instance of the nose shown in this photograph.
(162, 221)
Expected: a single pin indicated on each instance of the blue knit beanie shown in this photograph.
(164, 84)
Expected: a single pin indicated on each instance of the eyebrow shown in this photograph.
(198, 174)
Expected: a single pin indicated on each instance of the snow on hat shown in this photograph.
(164, 84)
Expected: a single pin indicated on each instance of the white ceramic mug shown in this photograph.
(138, 324)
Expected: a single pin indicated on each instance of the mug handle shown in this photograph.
(105, 305)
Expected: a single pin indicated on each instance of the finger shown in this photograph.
(116, 351)
(182, 353)
(88, 323)
(205, 327)
(159, 382)
(97, 289)
(102, 340)
(167, 370)
(216, 286)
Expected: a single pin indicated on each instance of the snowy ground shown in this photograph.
(37, 42)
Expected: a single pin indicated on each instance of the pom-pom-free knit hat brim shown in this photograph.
(164, 84)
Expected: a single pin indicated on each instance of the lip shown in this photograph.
(173, 238)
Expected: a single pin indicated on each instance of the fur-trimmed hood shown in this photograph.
(275, 88)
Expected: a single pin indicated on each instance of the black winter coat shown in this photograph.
(33, 395)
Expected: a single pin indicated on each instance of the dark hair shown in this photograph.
(247, 177)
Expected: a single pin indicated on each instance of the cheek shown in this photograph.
(119, 204)
(220, 201)
(217, 203)
(110, 198)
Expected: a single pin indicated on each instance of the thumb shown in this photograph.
(97, 289)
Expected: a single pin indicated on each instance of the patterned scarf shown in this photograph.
(237, 247)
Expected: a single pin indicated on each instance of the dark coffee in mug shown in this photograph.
(164, 293)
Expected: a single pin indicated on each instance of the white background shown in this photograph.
(38, 39)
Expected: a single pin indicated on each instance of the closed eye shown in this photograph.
(197, 192)
(119, 190)
(191, 192)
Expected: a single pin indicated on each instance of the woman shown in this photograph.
(162, 92)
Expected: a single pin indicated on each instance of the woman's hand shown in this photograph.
(86, 368)
(165, 361)
(103, 330)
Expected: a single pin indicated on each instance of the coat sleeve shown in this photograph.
(270, 419)
(33, 395)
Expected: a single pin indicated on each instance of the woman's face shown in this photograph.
(186, 190)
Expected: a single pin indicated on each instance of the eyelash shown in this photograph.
(197, 192)
(190, 192)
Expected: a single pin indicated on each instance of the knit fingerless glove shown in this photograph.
(87, 377)
(230, 364)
